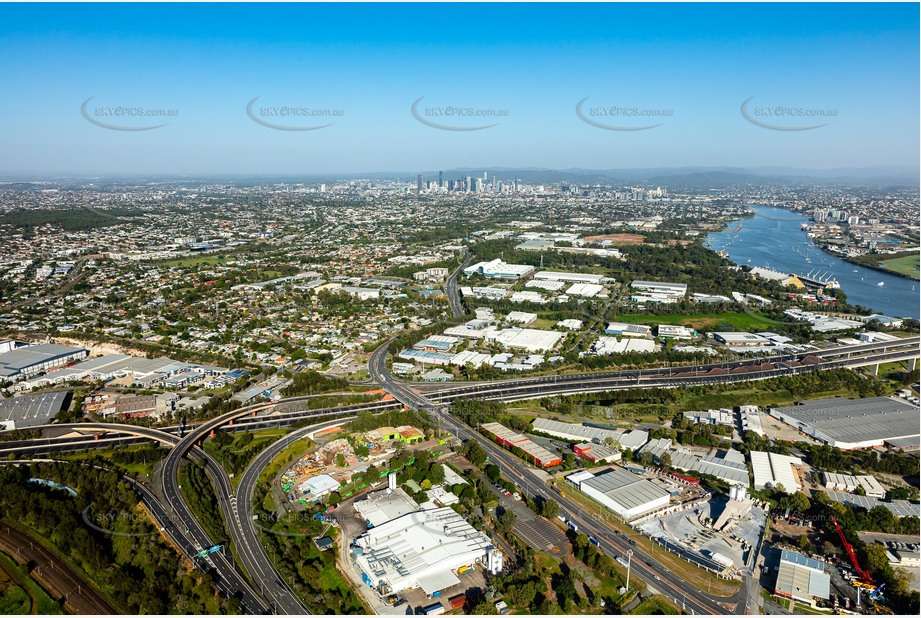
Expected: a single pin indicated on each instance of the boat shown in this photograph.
(855, 270)
(881, 283)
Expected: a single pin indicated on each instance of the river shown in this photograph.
(773, 239)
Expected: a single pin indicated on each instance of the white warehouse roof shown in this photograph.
(420, 549)
(771, 470)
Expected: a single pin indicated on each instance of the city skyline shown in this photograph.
(610, 86)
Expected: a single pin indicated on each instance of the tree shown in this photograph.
(507, 521)
(550, 508)
(340, 460)
(665, 460)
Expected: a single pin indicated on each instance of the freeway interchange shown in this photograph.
(265, 590)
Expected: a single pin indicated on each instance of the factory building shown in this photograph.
(573, 432)
(624, 493)
(845, 482)
(598, 453)
(854, 423)
(801, 578)
(628, 330)
(772, 470)
(422, 549)
(510, 439)
(32, 410)
(22, 361)
(497, 269)
(675, 331)
(549, 275)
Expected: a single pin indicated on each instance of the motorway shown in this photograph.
(451, 291)
(611, 542)
(250, 551)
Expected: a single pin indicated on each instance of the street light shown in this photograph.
(629, 562)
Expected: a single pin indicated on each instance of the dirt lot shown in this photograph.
(618, 239)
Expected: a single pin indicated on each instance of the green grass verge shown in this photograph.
(655, 605)
(44, 603)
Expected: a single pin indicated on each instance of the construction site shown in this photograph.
(335, 462)
(719, 534)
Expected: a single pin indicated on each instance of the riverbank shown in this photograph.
(877, 264)
(774, 238)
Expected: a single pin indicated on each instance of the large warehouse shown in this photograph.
(506, 437)
(31, 410)
(424, 550)
(25, 361)
(574, 432)
(854, 423)
(801, 578)
(772, 470)
(625, 493)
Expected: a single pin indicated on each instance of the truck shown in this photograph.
(464, 569)
(433, 610)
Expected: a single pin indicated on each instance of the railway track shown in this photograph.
(60, 581)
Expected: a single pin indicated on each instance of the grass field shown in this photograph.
(908, 265)
(11, 601)
(655, 605)
(198, 261)
(702, 321)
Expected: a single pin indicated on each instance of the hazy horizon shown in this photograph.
(423, 87)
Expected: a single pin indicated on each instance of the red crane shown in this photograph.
(862, 574)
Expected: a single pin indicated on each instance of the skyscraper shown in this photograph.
(441, 180)
(419, 183)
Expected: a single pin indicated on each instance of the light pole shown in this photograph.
(629, 562)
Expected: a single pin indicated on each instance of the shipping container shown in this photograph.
(434, 609)
(458, 600)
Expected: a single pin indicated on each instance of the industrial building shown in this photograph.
(772, 470)
(497, 269)
(624, 493)
(741, 340)
(549, 275)
(727, 465)
(521, 317)
(801, 578)
(846, 482)
(23, 361)
(899, 508)
(658, 291)
(627, 330)
(528, 339)
(586, 290)
(382, 506)
(575, 432)
(32, 410)
(611, 345)
(854, 423)
(508, 438)
(598, 453)
(549, 286)
(314, 488)
(422, 549)
(675, 331)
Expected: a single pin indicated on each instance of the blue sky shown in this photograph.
(534, 61)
